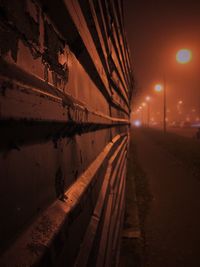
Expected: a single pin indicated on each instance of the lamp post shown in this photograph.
(159, 88)
(141, 114)
(148, 98)
(183, 56)
(144, 105)
(179, 109)
(164, 105)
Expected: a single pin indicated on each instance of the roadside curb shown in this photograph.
(132, 240)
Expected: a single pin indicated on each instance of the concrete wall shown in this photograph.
(65, 89)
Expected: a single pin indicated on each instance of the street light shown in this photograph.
(143, 117)
(183, 56)
(179, 109)
(139, 110)
(159, 88)
(148, 98)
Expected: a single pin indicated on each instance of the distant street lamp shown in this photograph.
(140, 110)
(144, 104)
(148, 98)
(179, 105)
(183, 56)
(179, 109)
(159, 88)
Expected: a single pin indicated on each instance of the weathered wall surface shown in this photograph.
(65, 90)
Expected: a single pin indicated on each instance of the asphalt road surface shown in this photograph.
(172, 224)
(187, 132)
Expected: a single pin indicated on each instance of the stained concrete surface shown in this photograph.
(171, 225)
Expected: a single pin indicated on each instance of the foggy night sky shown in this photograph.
(155, 31)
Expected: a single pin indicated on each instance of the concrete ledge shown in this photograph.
(43, 241)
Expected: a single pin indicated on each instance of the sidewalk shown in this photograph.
(170, 213)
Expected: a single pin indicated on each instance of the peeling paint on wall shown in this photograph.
(64, 130)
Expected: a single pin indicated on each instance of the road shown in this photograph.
(172, 224)
(187, 132)
(183, 131)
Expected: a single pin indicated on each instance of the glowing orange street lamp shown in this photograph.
(148, 99)
(159, 88)
(141, 112)
(184, 56)
(144, 104)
